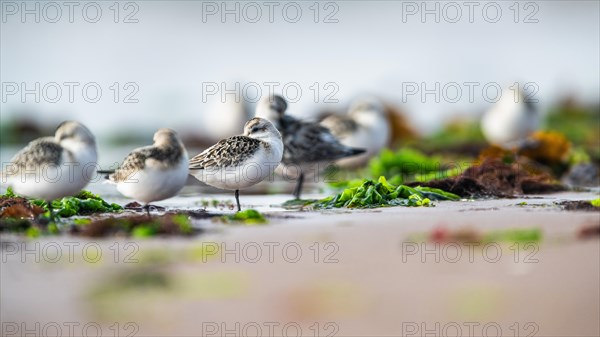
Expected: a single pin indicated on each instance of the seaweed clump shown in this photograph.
(494, 178)
(33, 217)
(138, 226)
(380, 193)
(17, 214)
(510, 235)
(247, 217)
(84, 203)
(580, 205)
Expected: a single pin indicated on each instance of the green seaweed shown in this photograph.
(408, 164)
(506, 236)
(298, 203)
(437, 194)
(405, 161)
(248, 217)
(52, 228)
(9, 193)
(33, 232)
(517, 235)
(185, 226)
(455, 133)
(85, 202)
(139, 226)
(578, 123)
(145, 230)
(14, 225)
(82, 221)
(442, 174)
(381, 193)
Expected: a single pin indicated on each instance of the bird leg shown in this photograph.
(237, 199)
(298, 188)
(146, 207)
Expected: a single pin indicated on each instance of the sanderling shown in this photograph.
(510, 121)
(54, 167)
(306, 144)
(155, 172)
(240, 161)
(365, 126)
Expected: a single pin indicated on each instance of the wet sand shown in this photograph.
(335, 272)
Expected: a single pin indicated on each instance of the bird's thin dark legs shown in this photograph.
(298, 189)
(237, 199)
(147, 209)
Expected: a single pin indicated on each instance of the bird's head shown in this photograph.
(271, 107)
(165, 137)
(260, 128)
(74, 131)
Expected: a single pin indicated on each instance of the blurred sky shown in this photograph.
(170, 52)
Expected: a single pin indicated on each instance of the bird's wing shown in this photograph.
(307, 142)
(340, 126)
(227, 152)
(42, 151)
(135, 161)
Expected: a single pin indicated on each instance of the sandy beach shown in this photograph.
(331, 273)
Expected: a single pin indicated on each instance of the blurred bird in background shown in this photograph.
(365, 126)
(308, 147)
(49, 168)
(511, 120)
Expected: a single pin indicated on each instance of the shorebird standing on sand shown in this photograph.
(306, 144)
(239, 162)
(365, 126)
(54, 167)
(155, 172)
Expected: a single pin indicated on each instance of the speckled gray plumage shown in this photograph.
(165, 156)
(42, 151)
(306, 142)
(341, 126)
(229, 152)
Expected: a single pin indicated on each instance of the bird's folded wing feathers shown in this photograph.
(340, 126)
(43, 151)
(136, 160)
(310, 142)
(227, 152)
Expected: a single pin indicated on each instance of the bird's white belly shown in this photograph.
(155, 184)
(49, 182)
(504, 128)
(254, 170)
